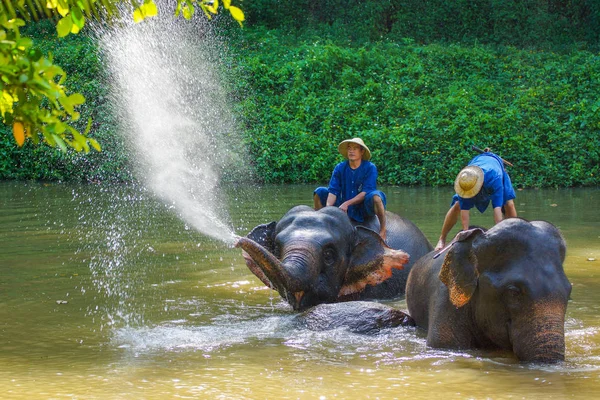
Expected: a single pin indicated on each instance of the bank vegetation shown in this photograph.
(419, 81)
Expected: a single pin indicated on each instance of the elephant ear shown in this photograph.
(371, 262)
(265, 236)
(459, 270)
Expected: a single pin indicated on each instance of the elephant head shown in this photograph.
(313, 257)
(511, 282)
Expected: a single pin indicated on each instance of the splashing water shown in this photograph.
(174, 111)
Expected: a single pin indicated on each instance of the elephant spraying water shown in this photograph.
(313, 257)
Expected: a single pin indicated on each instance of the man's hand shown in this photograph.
(440, 244)
(344, 206)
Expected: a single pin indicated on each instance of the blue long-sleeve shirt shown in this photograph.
(346, 183)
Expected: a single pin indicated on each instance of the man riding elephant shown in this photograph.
(353, 186)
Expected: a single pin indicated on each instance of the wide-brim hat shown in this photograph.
(468, 182)
(343, 148)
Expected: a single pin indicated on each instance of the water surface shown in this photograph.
(106, 293)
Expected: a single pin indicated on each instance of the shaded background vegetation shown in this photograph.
(419, 81)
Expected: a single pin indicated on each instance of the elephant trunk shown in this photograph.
(544, 341)
(550, 348)
(271, 271)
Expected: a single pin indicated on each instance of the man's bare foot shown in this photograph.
(383, 235)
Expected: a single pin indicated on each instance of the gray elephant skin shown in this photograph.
(313, 257)
(364, 317)
(504, 288)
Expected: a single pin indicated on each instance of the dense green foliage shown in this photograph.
(419, 81)
(523, 23)
(420, 108)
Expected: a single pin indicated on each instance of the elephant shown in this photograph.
(504, 288)
(364, 317)
(313, 257)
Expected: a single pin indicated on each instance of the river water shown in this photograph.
(106, 294)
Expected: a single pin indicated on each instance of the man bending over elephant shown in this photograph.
(353, 186)
(484, 179)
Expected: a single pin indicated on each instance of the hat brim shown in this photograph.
(467, 194)
(343, 149)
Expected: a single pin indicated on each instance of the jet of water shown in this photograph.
(174, 111)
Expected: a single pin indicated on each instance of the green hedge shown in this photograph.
(531, 23)
(420, 108)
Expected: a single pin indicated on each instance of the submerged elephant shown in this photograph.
(366, 317)
(504, 288)
(312, 257)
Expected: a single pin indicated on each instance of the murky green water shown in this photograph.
(105, 293)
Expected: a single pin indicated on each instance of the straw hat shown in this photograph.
(469, 182)
(343, 148)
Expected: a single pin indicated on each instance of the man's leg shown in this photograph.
(449, 222)
(380, 212)
(317, 202)
(320, 197)
(374, 204)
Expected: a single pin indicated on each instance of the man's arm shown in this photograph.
(464, 219)
(359, 198)
(497, 214)
(331, 198)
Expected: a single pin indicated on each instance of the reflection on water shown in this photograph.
(105, 293)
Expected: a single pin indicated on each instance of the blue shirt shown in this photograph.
(346, 183)
(496, 184)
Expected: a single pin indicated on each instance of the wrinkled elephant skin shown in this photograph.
(313, 257)
(504, 288)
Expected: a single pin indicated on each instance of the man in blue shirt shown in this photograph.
(353, 185)
(482, 181)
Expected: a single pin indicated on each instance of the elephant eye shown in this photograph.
(329, 256)
(513, 291)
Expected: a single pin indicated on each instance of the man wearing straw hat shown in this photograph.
(353, 185)
(482, 181)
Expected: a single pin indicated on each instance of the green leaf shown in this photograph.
(24, 43)
(95, 144)
(188, 11)
(79, 138)
(150, 9)
(237, 13)
(64, 26)
(35, 54)
(65, 102)
(88, 127)
(76, 99)
(63, 7)
(60, 142)
(59, 127)
(138, 15)
(77, 17)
